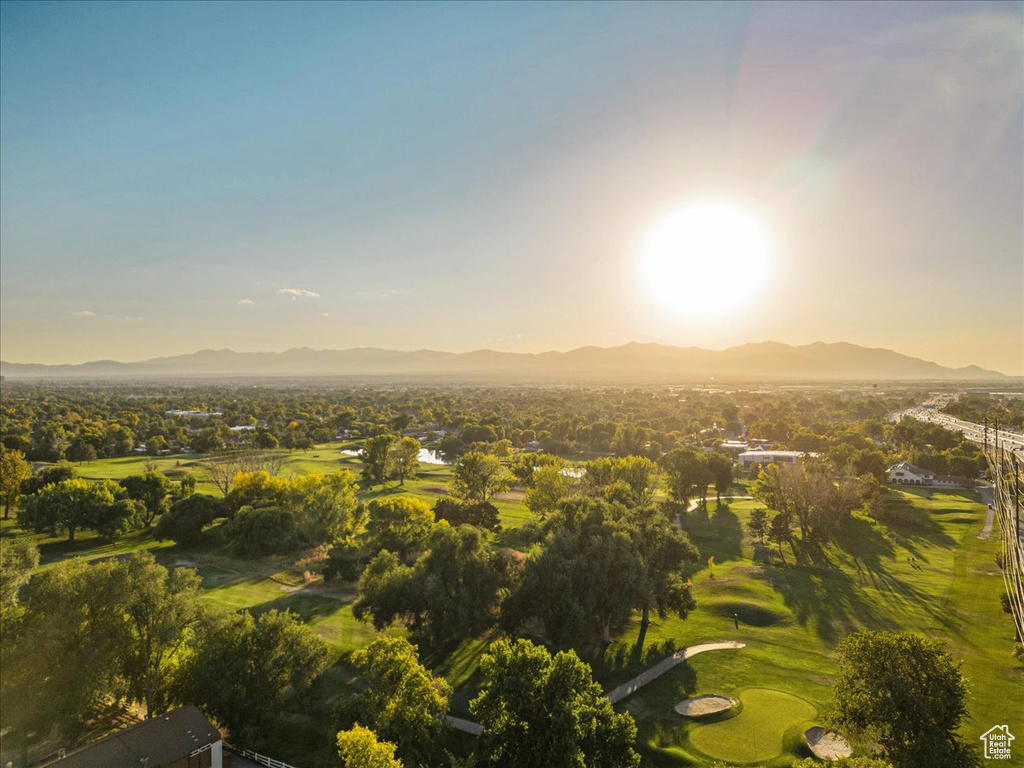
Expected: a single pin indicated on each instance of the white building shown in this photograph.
(759, 457)
(906, 473)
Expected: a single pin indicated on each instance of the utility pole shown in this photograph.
(1016, 502)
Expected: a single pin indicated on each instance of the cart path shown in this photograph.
(663, 666)
(629, 687)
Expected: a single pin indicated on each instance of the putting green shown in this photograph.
(756, 733)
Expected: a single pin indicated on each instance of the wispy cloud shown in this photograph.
(246, 301)
(325, 314)
(84, 313)
(298, 293)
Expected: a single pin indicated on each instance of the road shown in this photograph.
(929, 412)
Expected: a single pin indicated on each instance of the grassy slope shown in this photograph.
(790, 617)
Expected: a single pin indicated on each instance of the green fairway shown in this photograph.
(757, 732)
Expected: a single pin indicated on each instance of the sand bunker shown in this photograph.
(704, 705)
(827, 745)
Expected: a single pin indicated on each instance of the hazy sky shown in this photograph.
(455, 176)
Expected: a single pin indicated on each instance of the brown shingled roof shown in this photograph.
(160, 741)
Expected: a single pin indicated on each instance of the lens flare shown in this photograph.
(705, 260)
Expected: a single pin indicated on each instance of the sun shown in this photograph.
(706, 259)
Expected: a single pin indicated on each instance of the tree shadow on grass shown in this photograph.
(826, 598)
(719, 534)
(308, 607)
(865, 543)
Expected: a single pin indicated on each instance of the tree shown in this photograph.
(720, 468)
(583, 580)
(266, 440)
(757, 525)
(156, 445)
(378, 459)
(400, 524)
(153, 489)
(456, 513)
(549, 485)
(252, 488)
(631, 480)
(906, 693)
(222, 468)
(685, 470)
(326, 507)
(186, 518)
(243, 671)
(262, 529)
(808, 493)
(664, 551)
(542, 710)
(14, 470)
(73, 504)
(780, 532)
(60, 656)
(18, 557)
(630, 440)
(403, 703)
(405, 458)
(60, 471)
(358, 748)
(451, 593)
(160, 607)
(477, 477)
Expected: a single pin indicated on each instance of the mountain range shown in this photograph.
(630, 363)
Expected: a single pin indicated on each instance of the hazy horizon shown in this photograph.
(456, 177)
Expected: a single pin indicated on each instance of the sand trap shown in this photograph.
(699, 706)
(827, 745)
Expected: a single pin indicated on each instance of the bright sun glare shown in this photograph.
(705, 259)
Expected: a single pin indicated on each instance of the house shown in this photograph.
(181, 738)
(906, 473)
(759, 457)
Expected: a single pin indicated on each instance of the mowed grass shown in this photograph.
(758, 731)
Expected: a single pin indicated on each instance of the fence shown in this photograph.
(256, 757)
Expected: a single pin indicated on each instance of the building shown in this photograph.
(181, 738)
(760, 457)
(906, 473)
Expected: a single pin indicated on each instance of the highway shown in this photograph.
(1013, 441)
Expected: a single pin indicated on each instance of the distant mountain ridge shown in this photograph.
(633, 362)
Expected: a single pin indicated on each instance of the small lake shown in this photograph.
(426, 456)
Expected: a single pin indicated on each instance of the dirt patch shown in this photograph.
(438, 489)
(511, 496)
(827, 745)
(701, 706)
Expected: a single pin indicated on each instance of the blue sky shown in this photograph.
(458, 176)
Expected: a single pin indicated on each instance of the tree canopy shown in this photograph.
(905, 692)
(403, 703)
(537, 709)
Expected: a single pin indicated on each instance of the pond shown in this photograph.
(426, 456)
